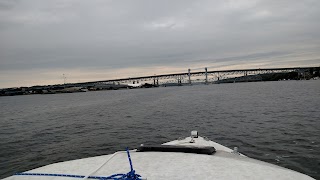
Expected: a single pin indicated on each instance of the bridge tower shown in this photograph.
(206, 69)
(189, 75)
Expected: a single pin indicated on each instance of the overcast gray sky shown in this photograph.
(102, 39)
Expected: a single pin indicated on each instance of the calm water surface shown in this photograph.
(277, 122)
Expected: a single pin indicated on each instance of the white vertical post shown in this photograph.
(64, 80)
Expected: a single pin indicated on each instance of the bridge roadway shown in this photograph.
(221, 74)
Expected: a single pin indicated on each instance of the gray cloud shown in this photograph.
(41, 35)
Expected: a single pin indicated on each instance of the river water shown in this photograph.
(277, 122)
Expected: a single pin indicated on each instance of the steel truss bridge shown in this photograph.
(201, 76)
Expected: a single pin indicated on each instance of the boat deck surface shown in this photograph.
(172, 165)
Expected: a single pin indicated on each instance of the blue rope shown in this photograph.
(129, 176)
(66, 175)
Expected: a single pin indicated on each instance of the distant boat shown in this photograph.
(134, 85)
(84, 90)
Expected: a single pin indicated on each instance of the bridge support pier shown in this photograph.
(206, 69)
(189, 75)
(179, 80)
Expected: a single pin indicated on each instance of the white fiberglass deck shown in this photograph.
(173, 165)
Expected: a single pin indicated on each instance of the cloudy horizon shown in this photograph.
(105, 39)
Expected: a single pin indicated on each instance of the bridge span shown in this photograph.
(205, 76)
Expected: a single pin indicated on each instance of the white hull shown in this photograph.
(223, 164)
